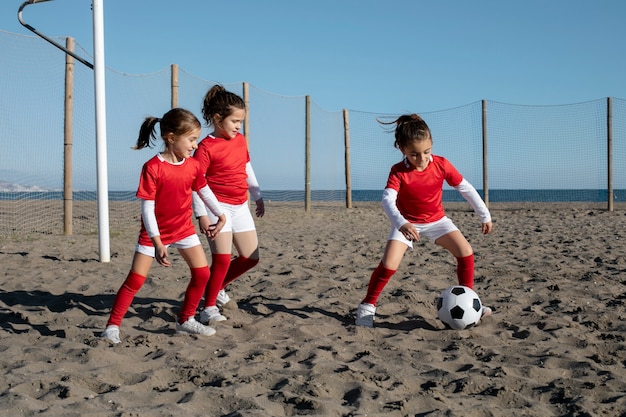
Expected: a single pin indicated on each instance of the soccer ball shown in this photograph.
(459, 307)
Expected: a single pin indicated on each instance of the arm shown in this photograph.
(199, 208)
(205, 194)
(200, 213)
(208, 199)
(200, 155)
(253, 184)
(255, 190)
(150, 223)
(391, 209)
(397, 219)
(470, 194)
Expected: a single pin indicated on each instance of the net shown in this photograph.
(534, 153)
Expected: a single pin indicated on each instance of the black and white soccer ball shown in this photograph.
(459, 307)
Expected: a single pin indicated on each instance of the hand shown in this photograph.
(213, 230)
(486, 228)
(410, 232)
(204, 224)
(260, 207)
(160, 254)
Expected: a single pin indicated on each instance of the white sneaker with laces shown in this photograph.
(192, 326)
(365, 315)
(222, 298)
(211, 314)
(112, 334)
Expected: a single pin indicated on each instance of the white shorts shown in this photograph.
(432, 231)
(186, 243)
(238, 218)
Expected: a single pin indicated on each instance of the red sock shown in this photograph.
(124, 297)
(380, 277)
(465, 271)
(219, 267)
(193, 294)
(237, 268)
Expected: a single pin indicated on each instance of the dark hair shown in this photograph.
(409, 128)
(176, 121)
(221, 102)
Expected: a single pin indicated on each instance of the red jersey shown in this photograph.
(420, 193)
(223, 162)
(170, 186)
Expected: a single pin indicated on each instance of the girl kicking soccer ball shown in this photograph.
(165, 186)
(412, 200)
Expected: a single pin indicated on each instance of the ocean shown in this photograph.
(495, 196)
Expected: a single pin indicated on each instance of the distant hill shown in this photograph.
(7, 187)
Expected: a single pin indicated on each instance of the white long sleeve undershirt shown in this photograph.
(149, 218)
(467, 191)
(470, 194)
(253, 184)
(203, 199)
(391, 209)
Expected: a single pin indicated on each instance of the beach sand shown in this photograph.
(554, 274)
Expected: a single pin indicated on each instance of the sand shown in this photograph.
(555, 276)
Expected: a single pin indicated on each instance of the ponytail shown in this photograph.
(220, 102)
(176, 121)
(409, 128)
(147, 133)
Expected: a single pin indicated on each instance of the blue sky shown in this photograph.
(366, 55)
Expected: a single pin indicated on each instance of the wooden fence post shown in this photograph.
(307, 156)
(174, 86)
(67, 139)
(609, 151)
(346, 136)
(246, 118)
(485, 160)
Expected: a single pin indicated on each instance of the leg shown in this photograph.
(196, 259)
(458, 246)
(199, 268)
(394, 251)
(456, 243)
(247, 245)
(135, 279)
(221, 249)
(246, 242)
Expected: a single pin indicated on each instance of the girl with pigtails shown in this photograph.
(165, 189)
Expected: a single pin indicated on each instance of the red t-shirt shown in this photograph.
(170, 186)
(223, 161)
(420, 193)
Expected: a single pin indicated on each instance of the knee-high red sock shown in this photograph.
(238, 267)
(193, 294)
(219, 267)
(124, 297)
(380, 277)
(465, 270)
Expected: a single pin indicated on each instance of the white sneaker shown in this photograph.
(365, 315)
(222, 298)
(112, 334)
(211, 314)
(191, 326)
